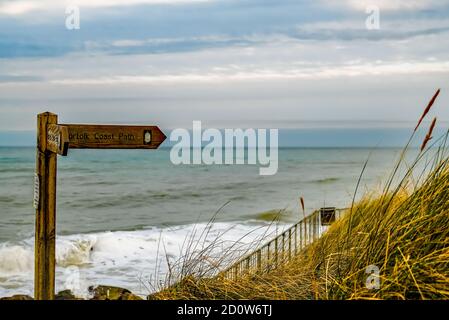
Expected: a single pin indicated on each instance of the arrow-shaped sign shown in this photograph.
(114, 136)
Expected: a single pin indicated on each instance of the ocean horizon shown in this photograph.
(315, 137)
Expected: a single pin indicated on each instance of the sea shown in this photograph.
(128, 217)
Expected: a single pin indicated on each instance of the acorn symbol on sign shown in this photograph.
(147, 137)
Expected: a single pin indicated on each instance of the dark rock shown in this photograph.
(65, 295)
(108, 293)
(130, 296)
(151, 296)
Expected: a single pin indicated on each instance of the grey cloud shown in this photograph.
(190, 25)
(277, 43)
(5, 78)
(363, 34)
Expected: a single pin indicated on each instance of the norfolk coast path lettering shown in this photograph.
(114, 137)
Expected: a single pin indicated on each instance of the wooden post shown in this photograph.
(315, 234)
(296, 239)
(309, 229)
(269, 256)
(276, 251)
(259, 259)
(45, 202)
(312, 221)
(306, 233)
(312, 229)
(283, 246)
(310, 224)
(289, 244)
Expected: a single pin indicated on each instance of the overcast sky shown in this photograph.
(244, 63)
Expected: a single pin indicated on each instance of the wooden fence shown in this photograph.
(285, 246)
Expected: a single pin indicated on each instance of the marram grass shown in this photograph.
(403, 232)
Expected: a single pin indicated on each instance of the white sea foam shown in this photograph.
(136, 260)
(15, 259)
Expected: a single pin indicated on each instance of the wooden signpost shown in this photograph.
(54, 139)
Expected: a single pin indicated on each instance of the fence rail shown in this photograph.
(285, 246)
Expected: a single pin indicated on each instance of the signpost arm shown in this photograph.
(44, 271)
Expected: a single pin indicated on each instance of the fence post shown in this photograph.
(312, 221)
(318, 225)
(269, 256)
(290, 244)
(276, 251)
(259, 259)
(296, 238)
(283, 246)
(306, 232)
(311, 229)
